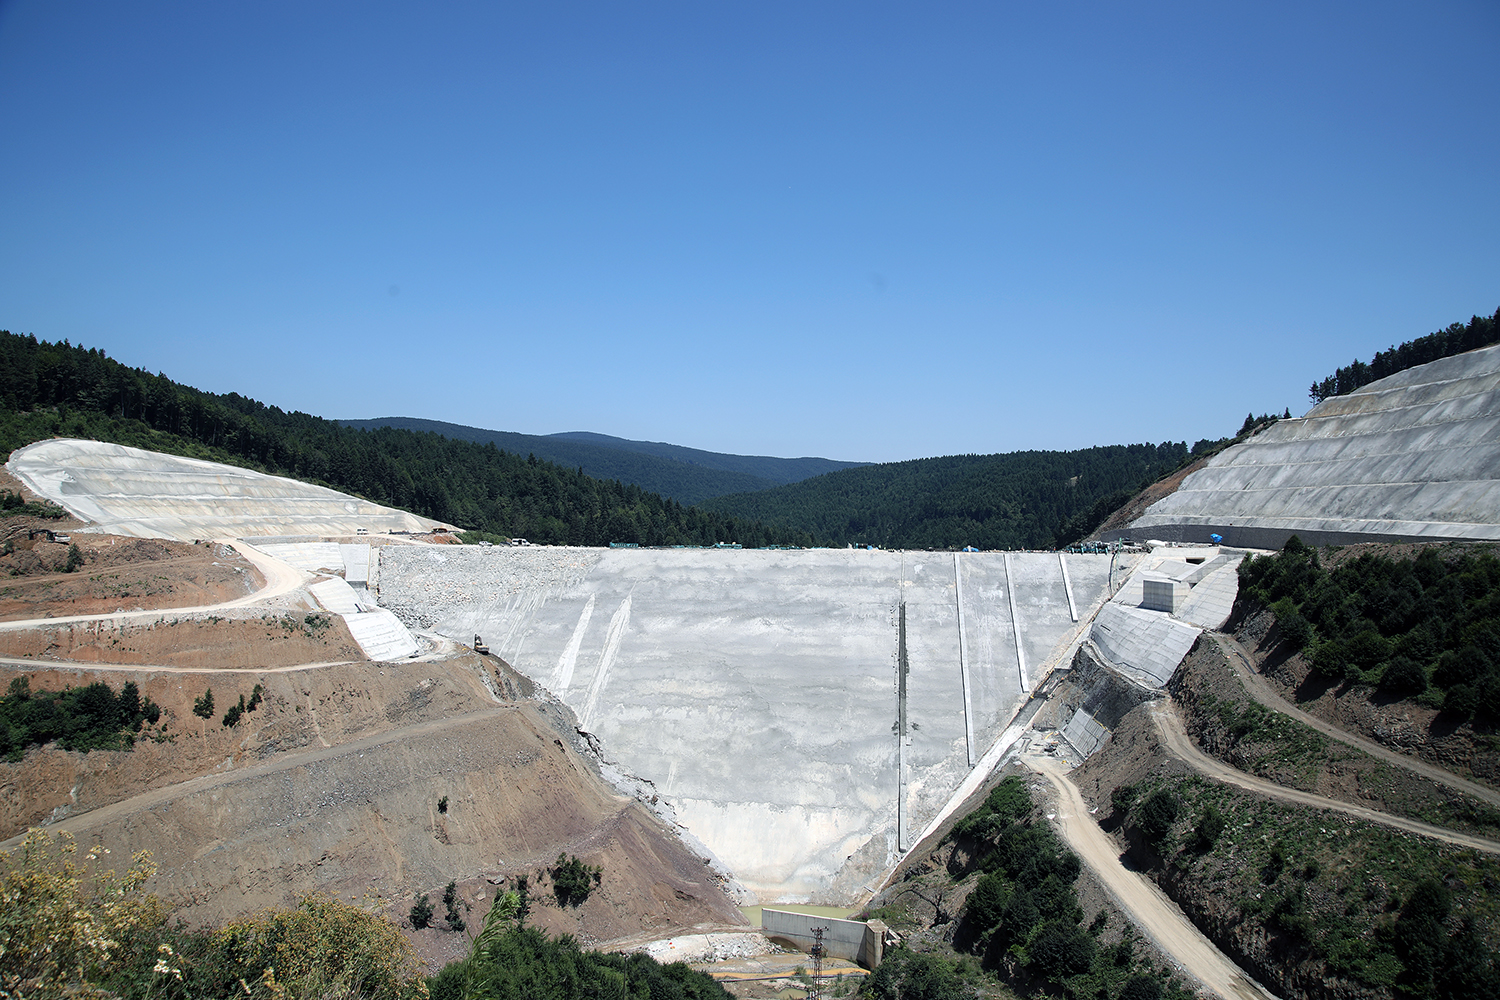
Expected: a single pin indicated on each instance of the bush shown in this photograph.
(1141, 987)
(75, 559)
(1403, 677)
(1209, 827)
(421, 912)
(1156, 816)
(320, 948)
(203, 707)
(1060, 948)
(572, 880)
(451, 903)
(64, 920)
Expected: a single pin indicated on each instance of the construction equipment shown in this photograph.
(480, 647)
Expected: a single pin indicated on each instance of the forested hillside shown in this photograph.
(1480, 331)
(1025, 499)
(60, 390)
(686, 475)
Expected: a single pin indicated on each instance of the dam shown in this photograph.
(759, 693)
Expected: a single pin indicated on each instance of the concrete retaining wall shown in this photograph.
(851, 940)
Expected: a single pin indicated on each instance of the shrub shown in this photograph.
(572, 880)
(1061, 948)
(1209, 827)
(1156, 816)
(1403, 677)
(421, 912)
(203, 707)
(75, 559)
(320, 948)
(451, 903)
(1141, 987)
(64, 920)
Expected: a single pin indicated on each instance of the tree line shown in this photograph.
(62, 390)
(1480, 331)
(1020, 500)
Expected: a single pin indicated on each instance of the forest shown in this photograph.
(1424, 628)
(1480, 331)
(1020, 500)
(60, 390)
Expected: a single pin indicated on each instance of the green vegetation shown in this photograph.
(421, 912)
(451, 903)
(1023, 920)
(83, 718)
(1344, 898)
(572, 880)
(1027, 499)
(1480, 331)
(58, 390)
(203, 707)
(687, 475)
(11, 505)
(232, 716)
(508, 961)
(70, 928)
(1402, 625)
(1280, 748)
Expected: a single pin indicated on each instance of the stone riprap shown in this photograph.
(757, 690)
(145, 494)
(1415, 456)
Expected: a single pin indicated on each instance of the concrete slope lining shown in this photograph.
(757, 689)
(1412, 456)
(145, 494)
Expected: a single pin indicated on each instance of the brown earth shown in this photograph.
(269, 639)
(332, 783)
(1136, 505)
(118, 574)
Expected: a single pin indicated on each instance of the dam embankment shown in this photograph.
(758, 691)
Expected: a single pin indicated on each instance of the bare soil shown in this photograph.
(1136, 505)
(117, 574)
(266, 640)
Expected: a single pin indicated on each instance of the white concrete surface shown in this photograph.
(1412, 456)
(757, 689)
(127, 491)
(1145, 645)
(381, 635)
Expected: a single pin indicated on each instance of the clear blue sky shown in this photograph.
(857, 230)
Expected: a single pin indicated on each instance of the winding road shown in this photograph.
(1156, 915)
(1259, 689)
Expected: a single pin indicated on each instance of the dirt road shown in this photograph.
(82, 822)
(280, 579)
(1175, 738)
(153, 668)
(1259, 689)
(1156, 915)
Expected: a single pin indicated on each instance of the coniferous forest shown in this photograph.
(60, 390)
(1480, 331)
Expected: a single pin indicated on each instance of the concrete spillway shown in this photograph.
(758, 690)
(1415, 456)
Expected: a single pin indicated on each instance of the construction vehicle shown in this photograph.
(480, 647)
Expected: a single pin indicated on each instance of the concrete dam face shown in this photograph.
(759, 691)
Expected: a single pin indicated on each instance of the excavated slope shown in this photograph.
(1414, 456)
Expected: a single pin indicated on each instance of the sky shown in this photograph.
(864, 231)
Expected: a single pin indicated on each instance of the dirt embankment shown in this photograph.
(1220, 715)
(115, 574)
(334, 784)
(253, 640)
(1402, 725)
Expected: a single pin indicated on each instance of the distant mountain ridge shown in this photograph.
(687, 475)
